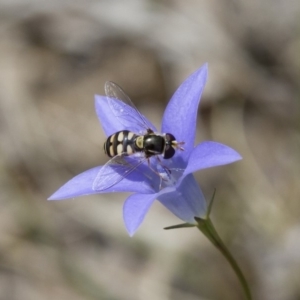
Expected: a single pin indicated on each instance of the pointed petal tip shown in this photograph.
(135, 209)
(56, 197)
(200, 75)
(205, 67)
(130, 233)
(235, 155)
(52, 197)
(205, 74)
(130, 229)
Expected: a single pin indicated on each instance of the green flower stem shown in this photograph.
(206, 226)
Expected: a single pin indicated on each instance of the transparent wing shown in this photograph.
(115, 170)
(126, 113)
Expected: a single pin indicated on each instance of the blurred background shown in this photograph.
(55, 55)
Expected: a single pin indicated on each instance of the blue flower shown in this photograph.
(178, 191)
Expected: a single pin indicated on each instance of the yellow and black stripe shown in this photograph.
(121, 142)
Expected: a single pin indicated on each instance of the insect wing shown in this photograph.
(124, 109)
(115, 170)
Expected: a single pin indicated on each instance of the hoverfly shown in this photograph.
(128, 150)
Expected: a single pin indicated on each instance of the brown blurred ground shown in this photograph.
(54, 56)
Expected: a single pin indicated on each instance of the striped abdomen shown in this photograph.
(121, 142)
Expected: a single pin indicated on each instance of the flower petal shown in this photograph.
(181, 113)
(135, 209)
(210, 154)
(115, 115)
(82, 185)
(186, 202)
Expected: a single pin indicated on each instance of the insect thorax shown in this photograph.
(154, 144)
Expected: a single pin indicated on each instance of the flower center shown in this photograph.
(168, 176)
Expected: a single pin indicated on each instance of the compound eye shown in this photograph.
(169, 152)
(170, 138)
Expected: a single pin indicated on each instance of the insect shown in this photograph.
(127, 149)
